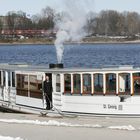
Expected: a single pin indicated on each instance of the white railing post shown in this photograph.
(92, 84)
(6, 79)
(81, 76)
(104, 83)
(131, 84)
(62, 83)
(54, 82)
(71, 83)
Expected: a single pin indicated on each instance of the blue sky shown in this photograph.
(35, 6)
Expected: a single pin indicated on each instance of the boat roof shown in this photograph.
(45, 68)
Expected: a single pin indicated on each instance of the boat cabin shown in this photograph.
(110, 90)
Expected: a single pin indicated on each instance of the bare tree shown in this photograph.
(133, 21)
(47, 20)
(1, 25)
(103, 23)
(91, 23)
(107, 22)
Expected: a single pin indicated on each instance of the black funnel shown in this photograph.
(58, 65)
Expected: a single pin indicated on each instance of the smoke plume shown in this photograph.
(71, 26)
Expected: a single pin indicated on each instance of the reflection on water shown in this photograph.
(87, 55)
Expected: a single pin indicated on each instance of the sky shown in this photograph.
(32, 7)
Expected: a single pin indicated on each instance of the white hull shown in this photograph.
(83, 105)
(99, 105)
(102, 105)
(125, 101)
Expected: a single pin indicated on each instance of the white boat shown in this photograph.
(102, 91)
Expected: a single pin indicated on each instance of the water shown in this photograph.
(84, 55)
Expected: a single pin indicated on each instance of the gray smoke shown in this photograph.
(71, 27)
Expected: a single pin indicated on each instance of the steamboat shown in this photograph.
(111, 90)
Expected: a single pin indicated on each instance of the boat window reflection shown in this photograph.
(67, 83)
(124, 83)
(4, 78)
(22, 84)
(35, 86)
(111, 83)
(13, 79)
(86, 83)
(58, 83)
(9, 79)
(98, 83)
(76, 83)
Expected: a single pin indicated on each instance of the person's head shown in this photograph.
(47, 78)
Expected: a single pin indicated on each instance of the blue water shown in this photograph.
(85, 55)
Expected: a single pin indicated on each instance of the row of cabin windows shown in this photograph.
(29, 85)
(77, 83)
(11, 79)
(98, 83)
(124, 85)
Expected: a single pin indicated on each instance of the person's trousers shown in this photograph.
(48, 101)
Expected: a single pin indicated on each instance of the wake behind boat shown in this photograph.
(102, 91)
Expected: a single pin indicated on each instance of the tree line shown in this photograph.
(113, 23)
(107, 22)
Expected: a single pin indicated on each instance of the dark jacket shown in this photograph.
(47, 87)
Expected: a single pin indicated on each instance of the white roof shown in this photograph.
(26, 67)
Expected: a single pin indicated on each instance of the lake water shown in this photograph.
(84, 55)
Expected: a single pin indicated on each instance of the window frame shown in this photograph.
(128, 90)
(79, 91)
(59, 84)
(35, 93)
(20, 90)
(70, 91)
(98, 92)
(87, 92)
(108, 90)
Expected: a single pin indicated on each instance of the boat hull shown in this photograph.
(102, 105)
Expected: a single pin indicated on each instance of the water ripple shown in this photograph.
(85, 55)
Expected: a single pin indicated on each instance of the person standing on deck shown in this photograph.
(47, 87)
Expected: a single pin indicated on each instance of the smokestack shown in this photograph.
(58, 65)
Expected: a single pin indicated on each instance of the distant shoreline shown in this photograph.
(30, 42)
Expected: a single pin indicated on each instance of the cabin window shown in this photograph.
(58, 83)
(4, 78)
(136, 79)
(0, 79)
(9, 79)
(22, 84)
(67, 83)
(124, 83)
(111, 83)
(13, 79)
(33, 82)
(86, 83)
(76, 83)
(35, 86)
(98, 83)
